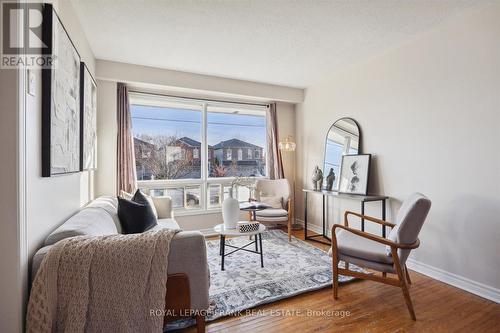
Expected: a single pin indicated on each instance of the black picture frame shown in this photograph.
(84, 72)
(49, 27)
(365, 176)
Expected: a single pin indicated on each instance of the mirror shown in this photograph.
(343, 138)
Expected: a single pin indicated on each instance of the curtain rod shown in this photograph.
(198, 99)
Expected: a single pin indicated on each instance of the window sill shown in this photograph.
(195, 212)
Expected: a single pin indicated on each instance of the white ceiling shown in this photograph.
(291, 43)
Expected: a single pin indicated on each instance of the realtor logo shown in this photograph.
(22, 42)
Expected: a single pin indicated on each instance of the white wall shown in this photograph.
(10, 245)
(50, 201)
(430, 113)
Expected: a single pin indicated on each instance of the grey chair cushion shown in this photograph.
(378, 266)
(356, 246)
(166, 223)
(272, 212)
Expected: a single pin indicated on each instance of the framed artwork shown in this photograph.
(60, 99)
(88, 119)
(354, 174)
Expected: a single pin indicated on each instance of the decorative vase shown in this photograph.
(230, 211)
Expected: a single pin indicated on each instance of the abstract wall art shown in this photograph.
(88, 119)
(60, 99)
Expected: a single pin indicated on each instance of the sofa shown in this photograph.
(188, 273)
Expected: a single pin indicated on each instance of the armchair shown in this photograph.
(277, 188)
(385, 255)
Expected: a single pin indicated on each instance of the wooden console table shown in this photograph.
(361, 198)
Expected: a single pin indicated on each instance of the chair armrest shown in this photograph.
(376, 238)
(366, 217)
(163, 206)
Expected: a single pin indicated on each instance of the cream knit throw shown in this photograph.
(101, 284)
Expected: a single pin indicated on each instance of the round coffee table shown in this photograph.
(223, 232)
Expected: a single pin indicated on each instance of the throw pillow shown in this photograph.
(129, 196)
(135, 217)
(272, 201)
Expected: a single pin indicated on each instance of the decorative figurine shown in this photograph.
(317, 179)
(330, 179)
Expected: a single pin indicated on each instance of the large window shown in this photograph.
(192, 149)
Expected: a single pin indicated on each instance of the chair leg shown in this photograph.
(200, 324)
(335, 282)
(289, 229)
(406, 293)
(407, 275)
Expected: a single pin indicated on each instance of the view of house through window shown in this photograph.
(174, 158)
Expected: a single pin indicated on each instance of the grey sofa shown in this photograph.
(187, 257)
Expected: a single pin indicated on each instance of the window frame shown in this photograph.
(204, 181)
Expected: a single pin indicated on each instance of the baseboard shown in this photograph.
(477, 288)
(312, 227)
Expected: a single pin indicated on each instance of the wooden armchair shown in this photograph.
(386, 255)
(279, 188)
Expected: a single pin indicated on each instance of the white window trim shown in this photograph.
(204, 181)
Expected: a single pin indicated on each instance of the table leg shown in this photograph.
(261, 251)
(223, 249)
(324, 215)
(362, 213)
(305, 215)
(220, 245)
(383, 217)
(256, 246)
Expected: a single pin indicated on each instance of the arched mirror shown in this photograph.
(343, 138)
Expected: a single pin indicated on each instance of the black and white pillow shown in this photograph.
(136, 215)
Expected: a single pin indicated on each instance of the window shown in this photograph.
(192, 149)
(236, 129)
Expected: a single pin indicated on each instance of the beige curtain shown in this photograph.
(126, 173)
(273, 153)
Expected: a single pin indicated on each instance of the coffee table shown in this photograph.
(223, 232)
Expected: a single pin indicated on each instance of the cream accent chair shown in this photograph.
(276, 188)
(385, 255)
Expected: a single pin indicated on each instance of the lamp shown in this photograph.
(289, 146)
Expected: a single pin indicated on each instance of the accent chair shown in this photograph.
(280, 189)
(385, 255)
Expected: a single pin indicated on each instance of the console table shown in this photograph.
(361, 198)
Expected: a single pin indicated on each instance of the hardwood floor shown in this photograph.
(365, 306)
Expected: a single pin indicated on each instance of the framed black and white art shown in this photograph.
(60, 99)
(354, 174)
(88, 119)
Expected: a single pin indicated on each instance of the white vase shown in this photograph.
(230, 211)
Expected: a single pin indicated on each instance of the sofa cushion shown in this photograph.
(166, 223)
(135, 217)
(90, 221)
(109, 205)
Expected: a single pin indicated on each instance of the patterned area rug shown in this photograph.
(290, 268)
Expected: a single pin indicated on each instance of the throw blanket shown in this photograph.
(109, 283)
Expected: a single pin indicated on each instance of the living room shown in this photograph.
(213, 166)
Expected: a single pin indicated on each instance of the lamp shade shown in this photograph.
(287, 145)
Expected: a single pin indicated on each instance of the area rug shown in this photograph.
(290, 268)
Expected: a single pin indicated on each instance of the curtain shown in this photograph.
(126, 173)
(273, 153)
